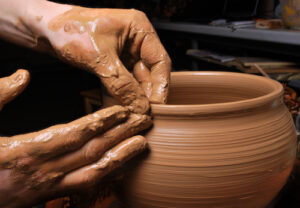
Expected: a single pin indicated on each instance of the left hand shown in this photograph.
(65, 158)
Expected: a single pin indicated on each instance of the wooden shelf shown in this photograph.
(282, 36)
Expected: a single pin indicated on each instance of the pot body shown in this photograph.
(214, 156)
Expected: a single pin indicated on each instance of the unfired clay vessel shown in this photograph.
(224, 140)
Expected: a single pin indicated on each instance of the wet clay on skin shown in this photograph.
(57, 139)
(39, 165)
(135, 123)
(119, 154)
(28, 154)
(112, 159)
(12, 86)
(223, 140)
(101, 59)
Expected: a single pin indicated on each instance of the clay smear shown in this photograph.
(58, 159)
(12, 86)
(120, 154)
(102, 58)
(57, 139)
(90, 151)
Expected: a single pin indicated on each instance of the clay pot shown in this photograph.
(223, 140)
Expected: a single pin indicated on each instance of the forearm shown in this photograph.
(24, 22)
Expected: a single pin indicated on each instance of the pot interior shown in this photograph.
(216, 87)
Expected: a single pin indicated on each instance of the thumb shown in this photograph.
(12, 86)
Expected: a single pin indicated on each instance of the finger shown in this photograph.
(143, 76)
(95, 148)
(155, 57)
(12, 86)
(124, 87)
(68, 137)
(91, 174)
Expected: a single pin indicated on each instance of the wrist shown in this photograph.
(11, 26)
(25, 22)
(40, 12)
(37, 17)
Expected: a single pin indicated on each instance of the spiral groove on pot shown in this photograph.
(235, 160)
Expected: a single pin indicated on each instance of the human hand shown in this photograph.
(107, 42)
(65, 158)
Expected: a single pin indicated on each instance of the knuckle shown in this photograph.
(138, 13)
(168, 61)
(141, 14)
(89, 180)
(40, 180)
(24, 164)
(91, 155)
(76, 138)
(71, 143)
(6, 158)
(141, 20)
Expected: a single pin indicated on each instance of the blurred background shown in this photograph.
(249, 36)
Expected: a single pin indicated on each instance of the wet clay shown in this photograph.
(223, 140)
(142, 73)
(39, 18)
(30, 156)
(12, 86)
(120, 154)
(90, 151)
(37, 166)
(60, 138)
(111, 160)
(102, 58)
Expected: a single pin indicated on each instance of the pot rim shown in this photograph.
(203, 109)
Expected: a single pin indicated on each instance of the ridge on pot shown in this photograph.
(223, 140)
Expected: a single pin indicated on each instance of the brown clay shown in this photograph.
(88, 153)
(142, 73)
(112, 159)
(37, 166)
(102, 60)
(118, 82)
(106, 42)
(100, 40)
(39, 18)
(223, 140)
(12, 86)
(119, 154)
(64, 137)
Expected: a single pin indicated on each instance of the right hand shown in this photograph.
(42, 165)
(109, 43)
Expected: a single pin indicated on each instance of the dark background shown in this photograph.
(53, 95)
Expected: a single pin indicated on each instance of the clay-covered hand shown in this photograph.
(107, 42)
(39, 166)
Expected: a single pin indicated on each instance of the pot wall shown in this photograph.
(213, 155)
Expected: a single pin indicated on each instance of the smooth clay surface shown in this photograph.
(225, 140)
